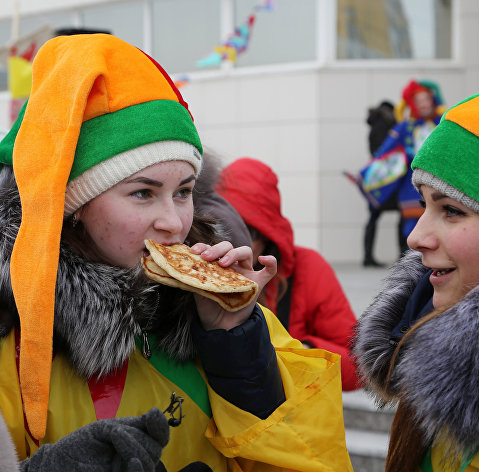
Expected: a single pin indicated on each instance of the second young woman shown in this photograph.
(417, 342)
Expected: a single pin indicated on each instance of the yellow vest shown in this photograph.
(433, 462)
(305, 433)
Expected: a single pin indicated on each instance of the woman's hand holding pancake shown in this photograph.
(212, 316)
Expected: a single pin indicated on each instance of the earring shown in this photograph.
(75, 220)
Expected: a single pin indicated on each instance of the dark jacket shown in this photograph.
(380, 120)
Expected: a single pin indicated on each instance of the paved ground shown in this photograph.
(361, 284)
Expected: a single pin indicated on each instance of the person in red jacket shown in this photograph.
(305, 295)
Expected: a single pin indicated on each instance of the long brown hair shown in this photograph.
(406, 444)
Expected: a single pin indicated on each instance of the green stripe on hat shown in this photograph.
(108, 135)
(451, 153)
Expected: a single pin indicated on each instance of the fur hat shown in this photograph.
(99, 111)
(449, 158)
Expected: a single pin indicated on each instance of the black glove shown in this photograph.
(132, 444)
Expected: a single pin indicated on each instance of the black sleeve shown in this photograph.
(241, 365)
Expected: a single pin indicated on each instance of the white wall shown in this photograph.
(309, 125)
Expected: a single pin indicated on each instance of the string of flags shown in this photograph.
(237, 43)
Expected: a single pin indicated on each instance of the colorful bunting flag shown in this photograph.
(181, 81)
(237, 43)
(212, 59)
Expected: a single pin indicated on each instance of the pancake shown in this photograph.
(193, 270)
(228, 301)
(177, 267)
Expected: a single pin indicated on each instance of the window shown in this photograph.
(285, 34)
(124, 20)
(28, 24)
(179, 33)
(5, 34)
(394, 29)
(5, 31)
(185, 31)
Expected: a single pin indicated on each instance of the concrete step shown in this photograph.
(361, 413)
(367, 431)
(367, 450)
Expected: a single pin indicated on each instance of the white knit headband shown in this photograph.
(108, 173)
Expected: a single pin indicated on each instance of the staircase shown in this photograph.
(367, 431)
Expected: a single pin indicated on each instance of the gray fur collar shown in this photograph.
(99, 309)
(437, 374)
(372, 348)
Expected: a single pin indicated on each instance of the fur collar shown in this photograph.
(372, 348)
(437, 374)
(99, 309)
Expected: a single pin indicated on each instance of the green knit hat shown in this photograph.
(448, 160)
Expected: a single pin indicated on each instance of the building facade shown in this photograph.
(297, 97)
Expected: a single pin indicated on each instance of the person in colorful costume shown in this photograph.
(417, 342)
(422, 101)
(103, 156)
(305, 294)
